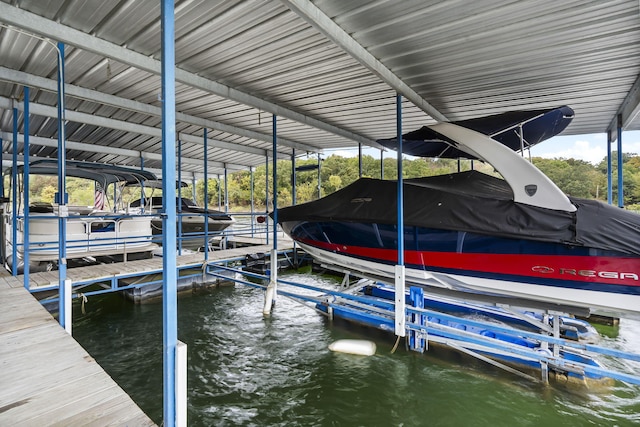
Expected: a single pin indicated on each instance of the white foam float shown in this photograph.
(359, 347)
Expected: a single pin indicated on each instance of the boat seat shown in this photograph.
(40, 207)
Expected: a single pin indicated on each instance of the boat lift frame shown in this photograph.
(420, 331)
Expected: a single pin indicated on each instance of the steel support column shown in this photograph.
(64, 303)
(271, 292)
(620, 165)
(14, 196)
(142, 195)
(169, 276)
(609, 170)
(25, 181)
(293, 177)
(219, 191)
(359, 160)
(206, 195)
(400, 318)
(226, 191)
(319, 177)
(193, 187)
(266, 196)
(274, 159)
(1, 177)
(252, 203)
(179, 207)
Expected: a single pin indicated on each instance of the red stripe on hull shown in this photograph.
(587, 269)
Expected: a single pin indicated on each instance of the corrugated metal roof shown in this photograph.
(329, 68)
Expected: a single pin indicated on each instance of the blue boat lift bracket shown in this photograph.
(380, 313)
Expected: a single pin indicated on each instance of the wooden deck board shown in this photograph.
(106, 272)
(46, 376)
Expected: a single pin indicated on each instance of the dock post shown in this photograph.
(25, 181)
(169, 242)
(620, 164)
(272, 287)
(181, 384)
(270, 294)
(400, 302)
(66, 303)
(14, 194)
(400, 315)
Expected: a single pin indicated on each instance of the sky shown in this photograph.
(591, 148)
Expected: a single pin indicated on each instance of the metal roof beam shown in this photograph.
(62, 33)
(628, 110)
(89, 119)
(72, 145)
(27, 79)
(314, 16)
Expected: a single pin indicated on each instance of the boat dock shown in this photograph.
(47, 377)
(116, 271)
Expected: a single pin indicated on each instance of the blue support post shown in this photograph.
(620, 165)
(219, 190)
(400, 201)
(319, 177)
(609, 170)
(1, 176)
(274, 159)
(271, 292)
(400, 317)
(25, 180)
(64, 303)
(252, 203)
(206, 195)
(193, 186)
(169, 282)
(142, 195)
(180, 197)
(14, 196)
(266, 195)
(359, 160)
(293, 177)
(226, 190)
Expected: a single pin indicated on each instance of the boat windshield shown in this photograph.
(189, 203)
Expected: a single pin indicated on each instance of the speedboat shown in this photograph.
(190, 220)
(92, 232)
(515, 235)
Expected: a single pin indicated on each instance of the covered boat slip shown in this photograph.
(145, 89)
(46, 377)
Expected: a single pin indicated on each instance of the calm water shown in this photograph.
(251, 371)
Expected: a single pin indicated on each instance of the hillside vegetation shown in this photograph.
(575, 177)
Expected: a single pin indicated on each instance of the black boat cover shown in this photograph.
(103, 173)
(537, 126)
(474, 202)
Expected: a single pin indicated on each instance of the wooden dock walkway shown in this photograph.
(46, 377)
(105, 272)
